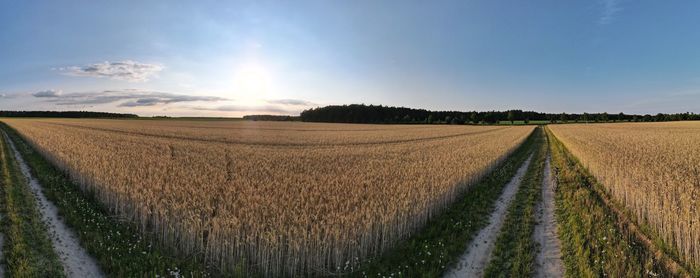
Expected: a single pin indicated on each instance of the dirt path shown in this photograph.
(476, 258)
(548, 261)
(76, 261)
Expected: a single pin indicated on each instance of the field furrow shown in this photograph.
(225, 140)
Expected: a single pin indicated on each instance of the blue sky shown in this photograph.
(231, 58)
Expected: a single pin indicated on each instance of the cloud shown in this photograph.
(165, 98)
(48, 93)
(278, 106)
(248, 108)
(296, 102)
(610, 10)
(3, 95)
(142, 102)
(125, 70)
(127, 97)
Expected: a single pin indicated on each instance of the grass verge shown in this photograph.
(515, 248)
(596, 242)
(444, 238)
(120, 249)
(28, 251)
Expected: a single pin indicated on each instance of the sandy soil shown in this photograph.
(548, 261)
(76, 261)
(473, 262)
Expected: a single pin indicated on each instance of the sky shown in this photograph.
(232, 58)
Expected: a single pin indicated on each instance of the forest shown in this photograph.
(379, 114)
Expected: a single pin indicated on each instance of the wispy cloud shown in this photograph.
(610, 8)
(125, 98)
(48, 93)
(276, 106)
(249, 108)
(124, 70)
(296, 102)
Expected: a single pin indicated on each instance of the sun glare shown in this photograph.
(252, 80)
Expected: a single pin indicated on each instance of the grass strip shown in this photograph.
(28, 251)
(595, 241)
(431, 250)
(515, 248)
(120, 249)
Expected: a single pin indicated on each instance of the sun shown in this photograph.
(252, 79)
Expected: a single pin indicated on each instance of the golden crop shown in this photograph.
(651, 168)
(285, 197)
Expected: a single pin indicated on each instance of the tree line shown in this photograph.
(378, 114)
(65, 114)
(282, 118)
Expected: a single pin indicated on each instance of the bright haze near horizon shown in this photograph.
(232, 58)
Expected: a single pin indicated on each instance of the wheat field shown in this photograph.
(286, 198)
(653, 169)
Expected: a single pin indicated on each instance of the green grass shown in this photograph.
(595, 242)
(515, 248)
(433, 249)
(120, 249)
(27, 249)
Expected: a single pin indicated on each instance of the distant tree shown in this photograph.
(585, 117)
(527, 120)
(281, 118)
(474, 117)
(511, 116)
(430, 118)
(604, 117)
(621, 116)
(563, 118)
(659, 117)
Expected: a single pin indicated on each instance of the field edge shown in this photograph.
(433, 249)
(118, 246)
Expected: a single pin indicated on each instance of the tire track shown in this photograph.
(548, 260)
(76, 261)
(474, 261)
